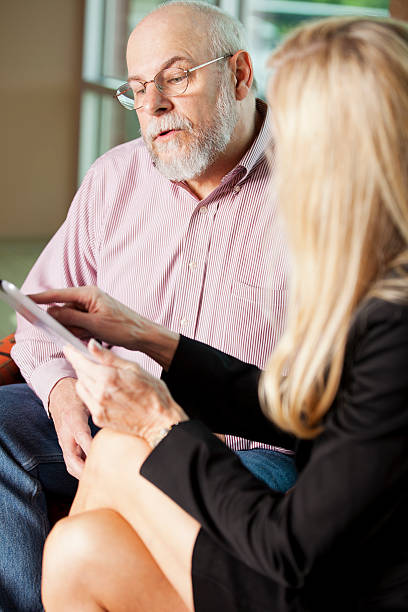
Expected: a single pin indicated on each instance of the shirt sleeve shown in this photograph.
(68, 260)
(222, 391)
(348, 494)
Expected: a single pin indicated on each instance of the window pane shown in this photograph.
(104, 124)
(138, 9)
(268, 21)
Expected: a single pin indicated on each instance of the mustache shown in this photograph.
(167, 123)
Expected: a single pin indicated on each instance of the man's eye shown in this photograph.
(177, 78)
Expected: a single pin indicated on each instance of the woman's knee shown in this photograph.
(68, 540)
(74, 542)
(73, 552)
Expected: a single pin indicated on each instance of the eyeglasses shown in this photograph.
(170, 82)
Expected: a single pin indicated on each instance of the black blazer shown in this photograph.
(339, 538)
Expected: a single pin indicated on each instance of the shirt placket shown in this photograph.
(193, 269)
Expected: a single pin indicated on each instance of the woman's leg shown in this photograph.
(95, 561)
(111, 480)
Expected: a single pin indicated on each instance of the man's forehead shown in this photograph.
(162, 36)
(137, 73)
(143, 66)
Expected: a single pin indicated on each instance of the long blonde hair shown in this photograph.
(339, 99)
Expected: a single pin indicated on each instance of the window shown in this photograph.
(108, 24)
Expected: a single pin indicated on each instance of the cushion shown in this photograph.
(9, 372)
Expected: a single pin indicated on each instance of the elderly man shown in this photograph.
(178, 226)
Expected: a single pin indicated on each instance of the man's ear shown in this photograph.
(241, 65)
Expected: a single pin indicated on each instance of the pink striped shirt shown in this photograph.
(212, 269)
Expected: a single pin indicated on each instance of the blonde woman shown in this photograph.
(167, 517)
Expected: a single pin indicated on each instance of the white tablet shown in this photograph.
(33, 313)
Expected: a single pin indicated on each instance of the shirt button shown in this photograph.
(237, 188)
(192, 265)
(183, 322)
(203, 210)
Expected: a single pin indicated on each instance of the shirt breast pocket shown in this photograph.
(254, 322)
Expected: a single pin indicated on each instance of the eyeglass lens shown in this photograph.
(170, 82)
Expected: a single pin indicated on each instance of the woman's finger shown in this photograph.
(109, 358)
(103, 355)
(100, 380)
(89, 400)
(81, 364)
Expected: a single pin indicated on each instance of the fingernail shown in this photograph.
(94, 344)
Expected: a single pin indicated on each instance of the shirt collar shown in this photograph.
(257, 150)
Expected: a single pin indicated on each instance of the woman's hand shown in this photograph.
(122, 396)
(88, 312)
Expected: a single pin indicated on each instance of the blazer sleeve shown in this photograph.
(222, 391)
(356, 475)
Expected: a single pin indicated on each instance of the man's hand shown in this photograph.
(88, 313)
(70, 416)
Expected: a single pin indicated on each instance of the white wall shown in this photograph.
(40, 69)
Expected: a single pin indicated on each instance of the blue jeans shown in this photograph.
(31, 463)
(276, 469)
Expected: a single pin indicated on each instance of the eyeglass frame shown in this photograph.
(144, 83)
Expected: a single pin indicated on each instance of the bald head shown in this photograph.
(211, 29)
(170, 29)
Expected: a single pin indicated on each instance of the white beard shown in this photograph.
(187, 161)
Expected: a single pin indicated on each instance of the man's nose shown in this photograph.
(154, 102)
